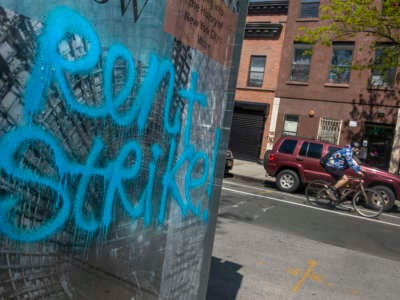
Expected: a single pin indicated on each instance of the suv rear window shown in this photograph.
(312, 150)
(288, 146)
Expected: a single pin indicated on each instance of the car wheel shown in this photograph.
(387, 195)
(287, 181)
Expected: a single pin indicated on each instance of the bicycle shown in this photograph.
(365, 201)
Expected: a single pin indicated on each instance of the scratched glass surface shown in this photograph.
(110, 134)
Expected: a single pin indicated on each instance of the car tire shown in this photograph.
(387, 195)
(287, 181)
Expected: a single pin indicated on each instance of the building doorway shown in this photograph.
(247, 130)
(378, 141)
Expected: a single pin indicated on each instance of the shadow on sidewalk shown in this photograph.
(224, 281)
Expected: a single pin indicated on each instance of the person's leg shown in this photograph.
(341, 182)
(337, 175)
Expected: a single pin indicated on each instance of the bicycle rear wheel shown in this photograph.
(369, 203)
(316, 193)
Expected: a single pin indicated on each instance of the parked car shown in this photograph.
(295, 161)
(228, 161)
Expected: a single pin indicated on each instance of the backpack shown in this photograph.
(324, 159)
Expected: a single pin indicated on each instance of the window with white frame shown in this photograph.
(300, 68)
(383, 70)
(340, 68)
(329, 130)
(256, 71)
(309, 9)
(290, 125)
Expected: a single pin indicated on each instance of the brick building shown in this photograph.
(258, 79)
(320, 96)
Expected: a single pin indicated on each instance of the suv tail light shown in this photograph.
(271, 157)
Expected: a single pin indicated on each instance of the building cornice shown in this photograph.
(268, 8)
(263, 30)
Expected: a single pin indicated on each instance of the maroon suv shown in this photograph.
(295, 161)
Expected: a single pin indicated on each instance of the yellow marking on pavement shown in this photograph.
(294, 272)
(314, 277)
(311, 265)
(317, 278)
(330, 284)
(260, 262)
(355, 292)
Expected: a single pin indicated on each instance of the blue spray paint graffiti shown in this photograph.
(51, 68)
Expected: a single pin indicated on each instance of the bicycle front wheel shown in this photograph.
(368, 203)
(316, 193)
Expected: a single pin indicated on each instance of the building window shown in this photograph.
(329, 130)
(300, 68)
(383, 70)
(340, 68)
(309, 9)
(290, 125)
(256, 71)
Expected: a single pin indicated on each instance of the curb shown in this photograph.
(250, 178)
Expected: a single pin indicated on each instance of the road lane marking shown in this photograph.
(267, 208)
(390, 216)
(238, 204)
(312, 207)
(264, 192)
(243, 185)
(311, 265)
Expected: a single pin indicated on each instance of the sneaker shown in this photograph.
(337, 193)
(331, 195)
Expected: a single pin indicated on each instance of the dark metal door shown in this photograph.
(247, 130)
(378, 139)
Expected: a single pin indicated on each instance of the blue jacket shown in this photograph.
(343, 159)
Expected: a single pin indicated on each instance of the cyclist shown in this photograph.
(338, 162)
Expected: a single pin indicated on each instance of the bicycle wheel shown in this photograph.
(316, 193)
(369, 203)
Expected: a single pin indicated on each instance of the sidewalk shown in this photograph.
(249, 170)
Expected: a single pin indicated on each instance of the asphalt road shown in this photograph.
(270, 245)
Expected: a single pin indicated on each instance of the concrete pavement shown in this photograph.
(249, 170)
(258, 263)
(226, 275)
